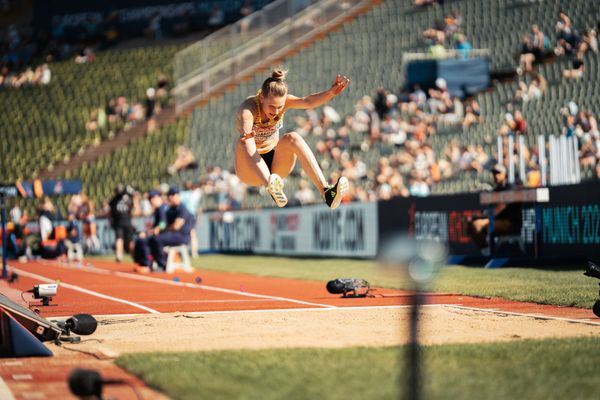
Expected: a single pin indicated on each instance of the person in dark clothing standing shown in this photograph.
(121, 207)
(179, 225)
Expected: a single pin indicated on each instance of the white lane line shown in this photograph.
(86, 291)
(218, 289)
(5, 392)
(205, 301)
(187, 284)
(518, 314)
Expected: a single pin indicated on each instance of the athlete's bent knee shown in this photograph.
(293, 138)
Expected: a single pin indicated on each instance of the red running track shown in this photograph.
(107, 288)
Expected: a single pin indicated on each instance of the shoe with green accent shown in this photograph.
(275, 189)
(335, 193)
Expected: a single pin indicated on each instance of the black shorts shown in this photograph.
(268, 157)
(124, 232)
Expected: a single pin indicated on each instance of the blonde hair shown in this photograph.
(275, 84)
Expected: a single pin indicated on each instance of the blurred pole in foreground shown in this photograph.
(419, 260)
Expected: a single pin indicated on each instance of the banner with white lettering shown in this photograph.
(349, 231)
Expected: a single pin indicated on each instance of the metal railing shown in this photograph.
(559, 166)
(448, 54)
(253, 42)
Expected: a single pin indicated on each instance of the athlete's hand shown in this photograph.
(339, 84)
(246, 136)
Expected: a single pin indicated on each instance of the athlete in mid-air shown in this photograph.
(263, 158)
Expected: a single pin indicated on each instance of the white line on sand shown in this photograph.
(518, 314)
(83, 290)
(190, 285)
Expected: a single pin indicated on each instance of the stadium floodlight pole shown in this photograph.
(4, 247)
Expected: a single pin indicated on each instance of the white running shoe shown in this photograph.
(335, 193)
(275, 189)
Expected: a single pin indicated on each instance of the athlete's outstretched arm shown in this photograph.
(245, 121)
(318, 99)
(249, 166)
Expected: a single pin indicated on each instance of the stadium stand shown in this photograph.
(370, 51)
(356, 52)
(45, 125)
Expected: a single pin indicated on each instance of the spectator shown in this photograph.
(150, 103)
(73, 240)
(46, 214)
(121, 209)
(155, 27)
(190, 198)
(46, 75)
(588, 151)
(162, 89)
(576, 71)
(472, 115)
(217, 17)
(245, 11)
(463, 46)
(185, 159)
(179, 225)
(533, 91)
(304, 195)
(533, 47)
(17, 231)
(85, 56)
(437, 50)
(15, 213)
(86, 214)
(588, 42)
(141, 250)
(566, 36)
(51, 244)
(237, 191)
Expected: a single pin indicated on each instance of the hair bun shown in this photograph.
(278, 75)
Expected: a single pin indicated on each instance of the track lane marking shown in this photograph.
(129, 275)
(86, 291)
(5, 392)
(205, 301)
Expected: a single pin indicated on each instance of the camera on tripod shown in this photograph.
(593, 271)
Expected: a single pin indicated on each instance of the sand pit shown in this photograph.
(333, 328)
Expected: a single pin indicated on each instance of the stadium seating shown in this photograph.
(45, 125)
(369, 50)
(143, 164)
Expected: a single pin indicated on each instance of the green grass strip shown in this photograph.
(544, 286)
(544, 369)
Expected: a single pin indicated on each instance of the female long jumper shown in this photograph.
(263, 158)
